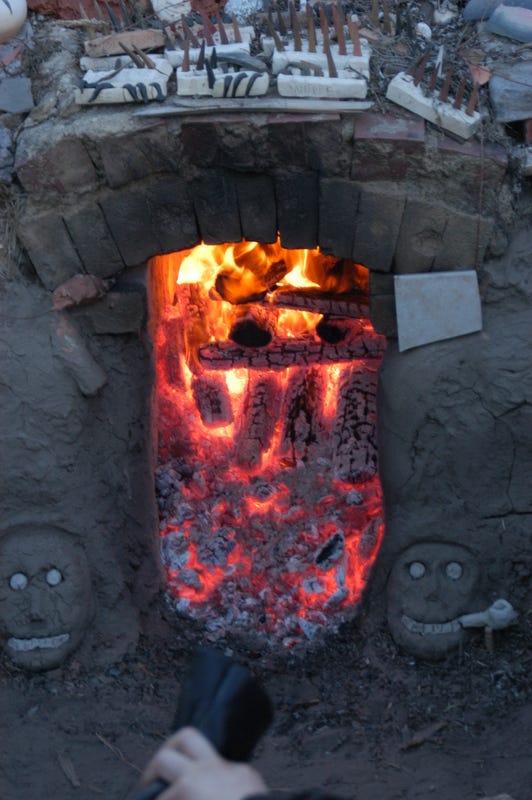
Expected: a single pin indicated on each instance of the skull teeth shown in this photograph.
(430, 628)
(38, 642)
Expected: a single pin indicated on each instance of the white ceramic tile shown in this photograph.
(437, 305)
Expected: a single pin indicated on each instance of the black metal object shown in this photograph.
(226, 703)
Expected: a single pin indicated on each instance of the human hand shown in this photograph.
(195, 771)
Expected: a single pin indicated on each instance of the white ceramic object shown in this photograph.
(195, 83)
(175, 57)
(130, 85)
(344, 87)
(280, 60)
(241, 84)
(404, 92)
(434, 306)
(12, 17)
(499, 615)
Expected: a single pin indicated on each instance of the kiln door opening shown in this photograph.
(267, 478)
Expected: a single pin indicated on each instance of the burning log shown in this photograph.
(260, 411)
(288, 352)
(254, 326)
(171, 349)
(250, 283)
(334, 330)
(355, 429)
(194, 304)
(212, 400)
(302, 416)
(351, 305)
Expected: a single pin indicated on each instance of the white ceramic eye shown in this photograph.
(18, 581)
(53, 577)
(454, 570)
(416, 570)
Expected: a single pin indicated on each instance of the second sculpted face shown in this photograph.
(46, 598)
(430, 586)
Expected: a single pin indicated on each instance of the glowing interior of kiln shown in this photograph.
(267, 484)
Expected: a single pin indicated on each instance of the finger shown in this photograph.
(166, 764)
(192, 743)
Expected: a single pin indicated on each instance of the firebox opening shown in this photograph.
(270, 504)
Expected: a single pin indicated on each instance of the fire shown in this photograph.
(270, 502)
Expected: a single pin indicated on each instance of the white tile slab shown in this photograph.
(437, 305)
(345, 86)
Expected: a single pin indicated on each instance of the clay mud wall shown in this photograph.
(102, 192)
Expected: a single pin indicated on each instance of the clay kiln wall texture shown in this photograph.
(103, 192)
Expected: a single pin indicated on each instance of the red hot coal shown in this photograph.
(267, 479)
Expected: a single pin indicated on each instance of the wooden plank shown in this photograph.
(111, 45)
(275, 105)
(354, 434)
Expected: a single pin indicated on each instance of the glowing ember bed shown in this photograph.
(267, 484)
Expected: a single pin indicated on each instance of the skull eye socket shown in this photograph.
(53, 577)
(454, 570)
(18, 581)
(416, 569)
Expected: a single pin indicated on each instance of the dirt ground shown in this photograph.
(354, 715)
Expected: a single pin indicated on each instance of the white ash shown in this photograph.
(243, 552)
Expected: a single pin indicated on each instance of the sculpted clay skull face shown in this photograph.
(46, 599)
(430, 586)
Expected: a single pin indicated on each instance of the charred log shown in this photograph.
(257, 423)
(245, 285)
(334, 330)
(254, 326)
(194, 304)
(302, 416)
(355, 427)
(287, 352)
(352, 305)
(212, 400)
(171, 349)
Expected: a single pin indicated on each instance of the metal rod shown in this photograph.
(333, 72)
(185, 66)
(386, 17)
(236, 29)
(296, 30)
(189, 33)
(460, 93)
(208, 28)
(275, 36)
(434, 78)
(418, 74)
(470, 110)
(444, 93)
(311, 30)
(355, 38)
(221, 29)
(280, 22)
(201, 58)
(375, 14)
(339, 27)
